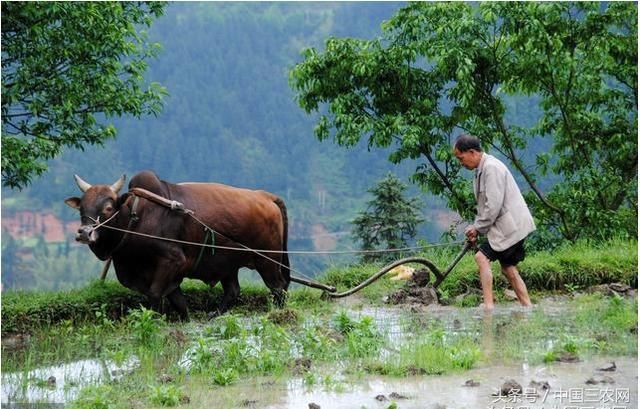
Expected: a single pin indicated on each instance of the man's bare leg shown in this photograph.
(518, 285)
(486, 279)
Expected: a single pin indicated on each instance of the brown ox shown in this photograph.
(253, 218)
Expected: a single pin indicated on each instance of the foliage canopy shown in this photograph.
(63, 63)
(443, 68)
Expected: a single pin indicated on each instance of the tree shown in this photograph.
(64, 65)
(389, 221)
(444, 67)
(15, 271)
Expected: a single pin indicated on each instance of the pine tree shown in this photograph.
(390, 220)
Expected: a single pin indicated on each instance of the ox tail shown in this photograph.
(286, 272)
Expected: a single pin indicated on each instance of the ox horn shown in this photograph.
(118, 185)
(84, 186)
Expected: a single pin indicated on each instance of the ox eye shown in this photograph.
(108, 209)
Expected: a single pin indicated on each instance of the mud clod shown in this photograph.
(15, 341)
(510, 387)
(301, 366)
(165, 378)
(609, 368)
(314, 406)
(471, 383)
(540, 385)
(414, 295)
(396, 395)
(283, 316)
(416, 291)
(178, 337)
(614, 289)
(595, 380)
(568, 357)
(414, 370)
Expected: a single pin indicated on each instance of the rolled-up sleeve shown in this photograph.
(490, 200)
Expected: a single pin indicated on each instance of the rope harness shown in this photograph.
(210, 234)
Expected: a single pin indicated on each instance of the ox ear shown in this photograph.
(73, 202)
(84, 186)
(118, 185)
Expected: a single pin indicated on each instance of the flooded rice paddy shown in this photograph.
(567, 390)
(593, 381)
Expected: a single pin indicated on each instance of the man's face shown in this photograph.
(468, 159)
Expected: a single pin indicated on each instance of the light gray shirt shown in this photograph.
(502, 213)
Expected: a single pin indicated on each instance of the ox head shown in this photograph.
(97, 204)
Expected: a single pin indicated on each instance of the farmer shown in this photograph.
(502, 215)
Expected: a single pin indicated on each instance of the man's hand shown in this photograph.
(471, 233)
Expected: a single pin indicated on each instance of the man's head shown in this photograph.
(468, 151)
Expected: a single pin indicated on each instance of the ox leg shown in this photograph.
(275, 281)
(166, 281)
(179, 303)
(231, 290)
(156, 304)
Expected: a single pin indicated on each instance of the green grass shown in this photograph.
(580, 265)
(569, 268)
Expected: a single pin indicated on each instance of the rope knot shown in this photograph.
(175, 205)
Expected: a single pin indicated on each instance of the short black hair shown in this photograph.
(466, 142)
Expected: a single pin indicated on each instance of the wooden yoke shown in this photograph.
(162, 201)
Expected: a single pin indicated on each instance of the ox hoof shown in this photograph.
(214, 314)
(280, 298)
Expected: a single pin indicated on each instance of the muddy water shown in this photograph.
(61, 383)
(567, 389)
(570, 385)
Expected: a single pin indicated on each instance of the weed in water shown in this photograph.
(364, 340)
(315, 344)
(102, 318)
(309, 379)
(200, 356)
(224, 377)
(119, 356)
(343, 323)
(464, 355)
(362, 337)
(469, 301)
(145, 325)
(433, 356)
(228, 327)
(94, 397)
(165, 395)
(328, 382)
(549, 356)
(570, 344)
(571, 288)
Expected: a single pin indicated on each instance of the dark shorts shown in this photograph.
(509, 257)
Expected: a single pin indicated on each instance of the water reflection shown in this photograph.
(61, 383)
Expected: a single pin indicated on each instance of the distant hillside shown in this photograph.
(231, 118)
